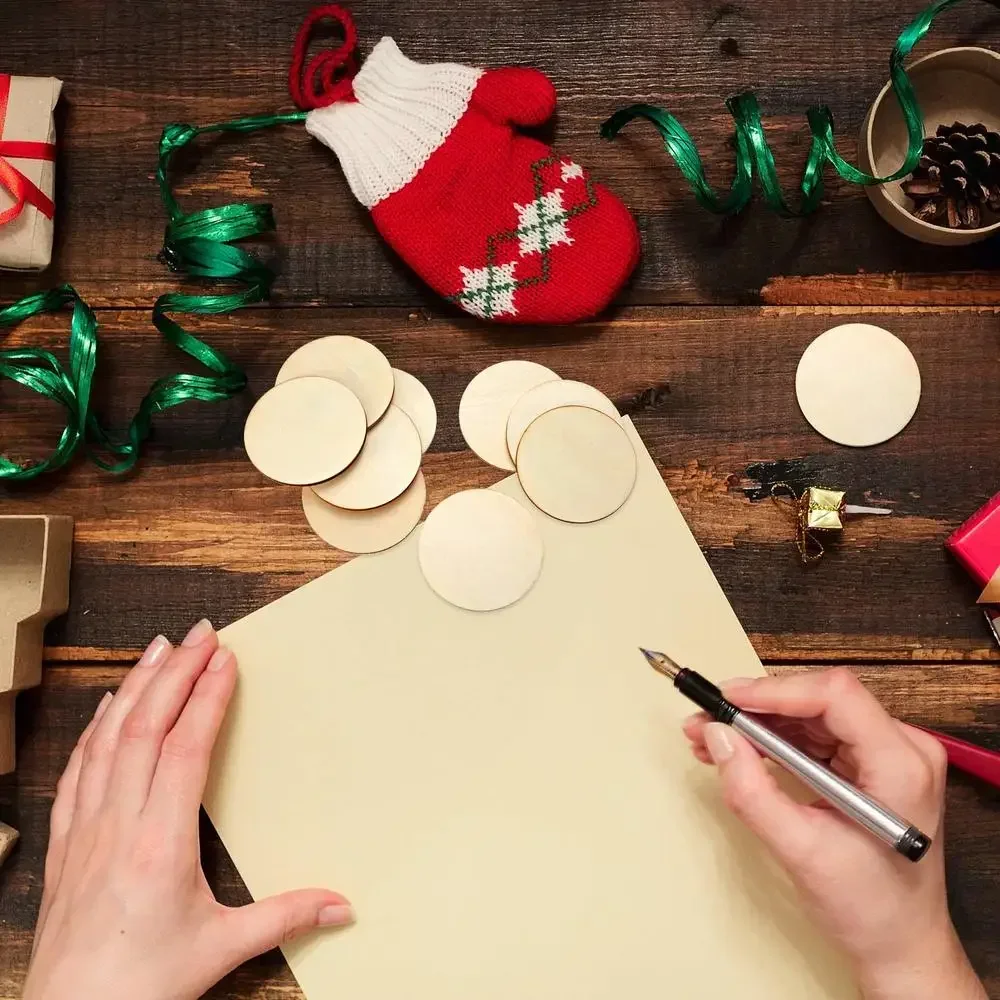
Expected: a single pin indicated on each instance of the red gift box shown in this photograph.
(976, 545)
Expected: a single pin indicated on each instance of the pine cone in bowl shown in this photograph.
(958, 176)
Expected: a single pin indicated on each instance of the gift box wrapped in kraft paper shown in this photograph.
(27, 171)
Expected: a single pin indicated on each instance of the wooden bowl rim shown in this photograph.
(870, 122)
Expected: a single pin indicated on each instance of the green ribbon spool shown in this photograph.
(199, 244)
(753, 154)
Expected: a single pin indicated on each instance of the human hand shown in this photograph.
(888, 914)
(126, 911)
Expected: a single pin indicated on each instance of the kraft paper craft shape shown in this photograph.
(35, 553)
(507, 798)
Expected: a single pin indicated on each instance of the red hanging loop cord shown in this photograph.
(328, 76)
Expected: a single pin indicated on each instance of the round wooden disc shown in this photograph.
(412, 397)
(548, 396)
(480, 550)
(487, 402)
(858, 384)
(388, 463)
(359, 365)
(305, 431)
(366, 530)
(576, 464)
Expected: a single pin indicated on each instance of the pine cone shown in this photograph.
(958, 176)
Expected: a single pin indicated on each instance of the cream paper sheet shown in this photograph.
(507, 798)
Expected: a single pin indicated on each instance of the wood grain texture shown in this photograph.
(960, 699)
(197, 530)
(962, 290)
(133, 65)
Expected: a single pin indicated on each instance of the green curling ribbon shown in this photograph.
(199, 244)
(753, 154)
(40, 371)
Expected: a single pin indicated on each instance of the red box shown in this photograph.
(976, 544)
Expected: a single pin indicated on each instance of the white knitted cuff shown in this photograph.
(404, 111)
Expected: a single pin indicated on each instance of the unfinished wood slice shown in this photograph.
(576, 464)
(858, 384)
(366, 530)
(480, 550)
(487, 402)
(388, 463)
(305, 431)
(548, 396)
(361, 366)
(412, 397)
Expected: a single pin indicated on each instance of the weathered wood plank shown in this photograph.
(198, 531)
(960, 699)
(131, 66)
(962, 289)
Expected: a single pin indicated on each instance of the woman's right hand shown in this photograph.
(888, 914)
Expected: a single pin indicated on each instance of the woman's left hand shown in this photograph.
(126, 910)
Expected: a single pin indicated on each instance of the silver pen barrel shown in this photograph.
(839, 792)
(895, 831)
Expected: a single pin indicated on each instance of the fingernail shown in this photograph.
(156, 652)
(337, 915)
(220, 660)
(719, 741)
(102, 706)
(198, 634)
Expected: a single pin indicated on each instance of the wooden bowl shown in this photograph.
(960, 84)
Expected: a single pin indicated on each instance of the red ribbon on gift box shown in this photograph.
(24, 191)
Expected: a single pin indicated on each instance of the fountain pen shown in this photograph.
(839, 792)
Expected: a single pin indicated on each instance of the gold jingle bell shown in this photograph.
(817, 509)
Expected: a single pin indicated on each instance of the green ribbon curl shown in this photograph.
(199, 244)
(753, 154)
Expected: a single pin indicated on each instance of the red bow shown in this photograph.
(23, 190)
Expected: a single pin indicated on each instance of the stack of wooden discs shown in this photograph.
(351, 430)
(481, 550)
(564, 439)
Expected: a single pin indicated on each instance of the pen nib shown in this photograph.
(661, 662)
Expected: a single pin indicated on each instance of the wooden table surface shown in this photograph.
(701, 350)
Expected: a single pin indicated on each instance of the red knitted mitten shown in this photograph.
(494, 221)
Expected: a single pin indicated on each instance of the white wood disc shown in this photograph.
(480, 550)
(412, 397)
(487, 402)
(305, 430)
(362, 367)
(366, 530)
(388, 463)
(858, 384)
(576, 464)
(548, 396)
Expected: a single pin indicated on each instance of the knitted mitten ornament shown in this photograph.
(494, 221)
